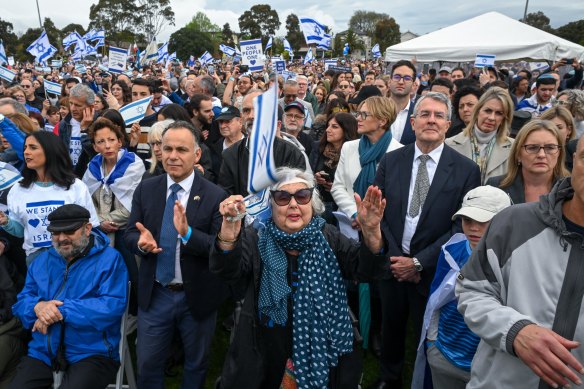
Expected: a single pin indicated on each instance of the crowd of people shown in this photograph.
(450, 202)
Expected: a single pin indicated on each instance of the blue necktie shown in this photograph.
(168, 237)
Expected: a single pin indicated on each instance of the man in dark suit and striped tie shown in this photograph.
(424, 184)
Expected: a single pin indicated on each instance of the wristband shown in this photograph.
(231, 78)
(186, 238)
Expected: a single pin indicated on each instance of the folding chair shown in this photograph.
(125, 357)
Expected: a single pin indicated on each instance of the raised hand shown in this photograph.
(370, 209)
(180, 219)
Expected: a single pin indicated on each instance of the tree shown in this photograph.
(538, 20)
(260, 20)
(365, 21)
(8, 37)
(338, 46)
(120, 18)
(154, 16)
(386, 33)
(227, 35)
(53, 33)
(201, 22)
(573, 31)
(294, 35)
(353, 40)
(73, 27)
(187, 41)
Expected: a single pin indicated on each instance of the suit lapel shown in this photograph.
(195, 198)
(405, 175)
(160, 199)
(443, 171)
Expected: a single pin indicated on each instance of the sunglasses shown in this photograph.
(282, 198)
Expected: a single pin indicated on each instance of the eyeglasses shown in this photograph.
(339, 109)
(362, 114)
(293, 96)
(26, 86)
(548, 149)
(283, 198)
(427, 114)
(398, 77)
(343, 86)
(294, 116)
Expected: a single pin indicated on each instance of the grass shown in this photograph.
(221, 343)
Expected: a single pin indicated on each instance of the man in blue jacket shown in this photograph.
(73, 300)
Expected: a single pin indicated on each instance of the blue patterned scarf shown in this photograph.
(369, 156)
(321, 324)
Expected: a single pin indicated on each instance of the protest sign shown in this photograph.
(252, 54)
(117, 60)
(56, 63)
(279, 66)
(340, 69)
(483, 60)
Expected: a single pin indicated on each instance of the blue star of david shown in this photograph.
(317, 30)
(44, 221)
(40, 47)
(140, 109)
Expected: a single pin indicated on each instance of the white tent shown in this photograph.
(490, 33)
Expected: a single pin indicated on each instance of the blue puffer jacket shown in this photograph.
(93, 289)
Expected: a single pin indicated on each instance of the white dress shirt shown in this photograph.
(412, 222)
(183, 197)
(397, 127)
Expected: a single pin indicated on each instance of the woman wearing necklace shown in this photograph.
(111, 177)
(485, 139)
(47, 183)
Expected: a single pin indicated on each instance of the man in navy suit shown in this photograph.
(403, 76)
(424, 184)
(173, 221)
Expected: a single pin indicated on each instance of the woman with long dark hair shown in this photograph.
(341, 127)
(47, 183)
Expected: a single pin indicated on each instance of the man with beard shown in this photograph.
(201, 107)
(234, 168)
(73, 300)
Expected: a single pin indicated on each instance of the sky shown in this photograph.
(418, 16)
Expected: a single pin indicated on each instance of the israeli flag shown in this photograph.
(100, 36)
(325, 43)
(70, 40)
(7, 74)
(41, 48)
(375, 51)
(313, 31)
(3, 57)
(163, 53)
(151, 53)
(237, 51)
(89, 36)
(269, 44)
(309, 56)
(171, 57)
(483, 60)
(346, 49)
(230, 51)
(287, 47)
(52, 87)
(90, 50)
(262, 168)
(135, 111)
(206, 58)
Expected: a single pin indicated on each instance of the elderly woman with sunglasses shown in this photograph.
(535, 163)
(295, 314)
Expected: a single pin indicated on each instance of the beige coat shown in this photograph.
(497, 164)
